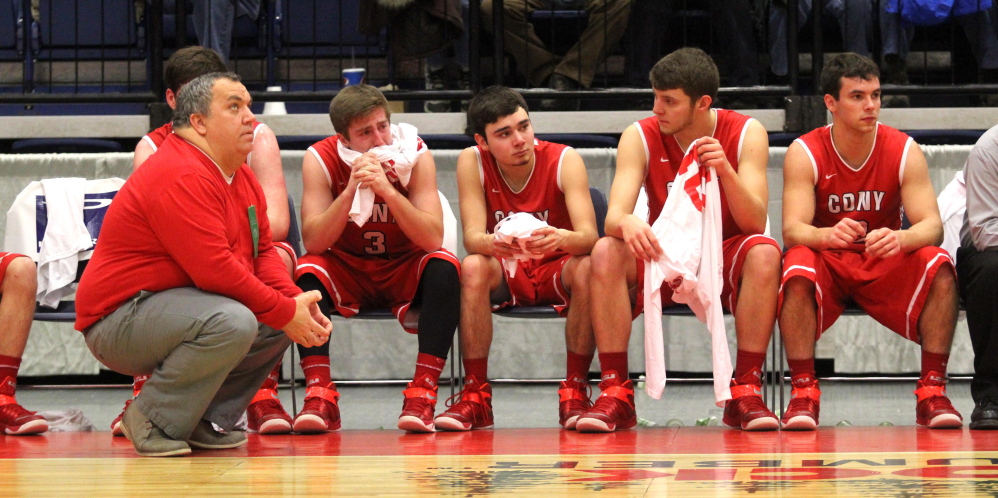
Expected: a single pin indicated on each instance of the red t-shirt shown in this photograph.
(871, 194)
(664, 157)
(177, 222)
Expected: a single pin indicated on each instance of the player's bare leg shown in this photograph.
(17, 309)
(573, 393)
(614, 408)
(798, 326)
(480, 276)
(755, 316)
(936, 324)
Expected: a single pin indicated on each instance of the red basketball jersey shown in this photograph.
(542, 196)
(380, 236)
(664, 157)
(870, 194)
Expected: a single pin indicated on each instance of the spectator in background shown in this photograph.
(979, 28)
(214, 20)
(437, 65)
(574, 70)
(854, 18)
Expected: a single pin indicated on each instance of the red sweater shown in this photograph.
(177, 223)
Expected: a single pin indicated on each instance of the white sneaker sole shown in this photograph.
(593, 425)
(450, 424)
(274, 427)
(409, 423)
(33, 427)
(800, 423)
(762, 424)
(945, 421)
(311, 424)
(571, 423)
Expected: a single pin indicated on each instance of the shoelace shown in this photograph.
(459, 397)
(801, 404)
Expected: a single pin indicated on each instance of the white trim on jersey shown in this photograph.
(249, 157)
(918, 290)
(481, 167)
(332, 285)
(741, 139)
(865, 161)
(561, 160)
(904, 159)
(644, 142)
(150, 142)
(325, 170)
(532, 170)
(814, 164)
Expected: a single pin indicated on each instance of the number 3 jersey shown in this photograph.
(380, 237)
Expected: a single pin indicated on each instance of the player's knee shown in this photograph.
(581, 271)
(763, 261)
(442, 276)
(944, 283)
(608, 258)
(475, 271)
(20, 277)
(797, 289)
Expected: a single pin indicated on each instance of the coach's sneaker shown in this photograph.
(320, 412)
(746, 409)
(265, 415)
(14, 419)
(613, 409)
(418, 405)
(574, 399)
(147, 438)
(805, 399)
(473, 411)
(934, 409)
(137, 383)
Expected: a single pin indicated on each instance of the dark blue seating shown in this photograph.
(582, 140)
(9, 31)
(325, 28)
(88, 30)
(64, 145)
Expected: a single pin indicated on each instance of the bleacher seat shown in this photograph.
(249, 36)
(8, 31)
(87, 30)
(325, 28)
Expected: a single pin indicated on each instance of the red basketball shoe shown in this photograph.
(934, 409)
(746, 409)
(574, 400)
(320, 412)
(137, 383)
(805, 399)
(473, 411)
(614, 408)
(265, 415)
(14, 419)
(418, 406)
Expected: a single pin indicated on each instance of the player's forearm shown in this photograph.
(614, 218)
(478, 242)
(321, 231)
(749, 211)
(424, 229)
(803, 234)
(579, 242)
(922, 234)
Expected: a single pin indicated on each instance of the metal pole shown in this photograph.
(793, 62)
(155, 17)
(817, 51)
(181, 24)
(499, 33)
(474, 51)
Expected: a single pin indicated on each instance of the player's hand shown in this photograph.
(640, 240)
(883, 243)
(304, 328)
(711, 154)
(503, 250)
(546, 240)
(365, 160)
(845, 232)
(371, 174)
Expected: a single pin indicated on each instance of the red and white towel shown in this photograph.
(689, 230)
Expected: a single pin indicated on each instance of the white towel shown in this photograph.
(518, 227)
(397, 159)
(689, 230)
(952, 206)
(65, 237)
